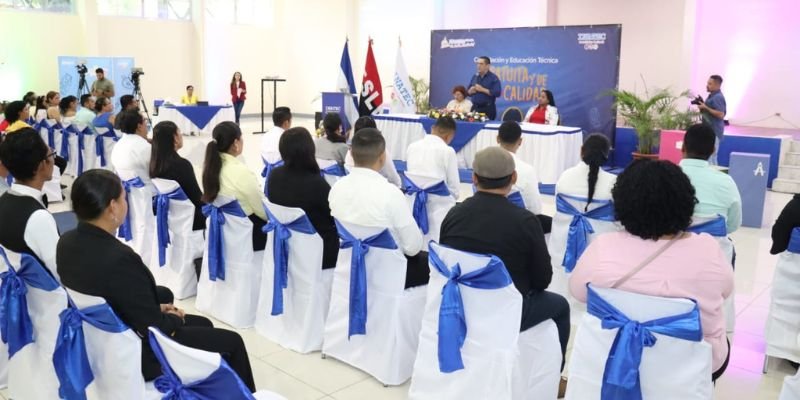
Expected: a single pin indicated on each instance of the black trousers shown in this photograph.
(716, 374)
(417, 271)
(61, 164)
(164, 295)
(199, 333)
(546, 222)
(259, 237)
(539, 306)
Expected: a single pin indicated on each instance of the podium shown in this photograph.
(750, 171)
(334, 102)
(274, 98)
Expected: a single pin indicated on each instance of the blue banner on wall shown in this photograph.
(117, 69)
(577, 63)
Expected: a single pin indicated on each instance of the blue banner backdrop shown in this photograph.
(117, 69)
(576, 63)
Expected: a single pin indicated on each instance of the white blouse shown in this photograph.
(464, 106)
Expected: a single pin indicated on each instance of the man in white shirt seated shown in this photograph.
(432, 156)
(365, 197)
(509, 137)
(132, 152)
(282, 120)
(388, 171)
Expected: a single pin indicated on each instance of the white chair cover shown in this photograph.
(307, 295)
(52, 188)
(234, 299)
(388, 348)
(537, 372)
(672, 369)
(88, 152)
(108, 146)
(143, 222)
(331, 179)
(791, 386)
(438, 206)
(192, 365)
(31, 374)
(115, 358)
(726, 245)
(783, 321)
(178, 273)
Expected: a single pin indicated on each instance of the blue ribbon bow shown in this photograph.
(358, 274)
(516, 199)
(100, 147)
(223, 383)
(69, 359)
(125, 230)
(715, 227)
(9, 179)
(64, 152)
(420, 209)
(80, 135)
(268, 167)
(16, 327)
(216, 243)
(280, 253)
(621, 374)
(794, 241)
(51, 131)
(580, 228)
(333, 170)
(452, 320)
(161, 202)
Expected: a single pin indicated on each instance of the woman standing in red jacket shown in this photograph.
(238, 94)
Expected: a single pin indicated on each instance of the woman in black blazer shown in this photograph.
(298, 183)
(92, 261)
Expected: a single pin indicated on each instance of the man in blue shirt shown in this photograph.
(484, 89)
(713, 111)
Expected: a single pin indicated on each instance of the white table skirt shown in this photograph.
(186, 126)
(547, 148)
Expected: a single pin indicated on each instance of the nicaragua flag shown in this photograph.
(346, 84)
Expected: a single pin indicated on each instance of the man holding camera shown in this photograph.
(102, 87)
(713, 111)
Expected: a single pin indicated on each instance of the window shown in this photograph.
(61, 6)
(244, 12)
(155, 9)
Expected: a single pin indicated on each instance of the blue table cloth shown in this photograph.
(199, 115)
(465, 131)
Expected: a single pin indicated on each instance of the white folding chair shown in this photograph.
(331, 170)
(49, 129)
(791, 386)
(572, 210)
(31, 374)
(715, 225)
(429, 200)
(104, 142)
(273, 162)
(140, 220)
(82, 153)
(783, 321)
(231, 274)
(182, 245)
(381, 336)
(293, 316)
(200, 373)
(537, 372)
(676, 365)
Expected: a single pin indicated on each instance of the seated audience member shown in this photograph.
(388, 170)
(460, 102)
(282, 120)
(85, 114)
(52, 100)
(132, 152)
(487, 223)
(333, 146)
(365, 198)
(91, 260)
(165, 163)
(432, 156)
(654, 202)
(545, 112)
(17, 114)
(716, 191)
(40, 112)
(30, 99)
(509, 137)
(189, 99)
(297, 183)
(105, 113)
(786, 222)
(3, 172)
(68, 107)
(128, 103)
(224, 174)
(3, 123)
(587, 179)
(25, 224)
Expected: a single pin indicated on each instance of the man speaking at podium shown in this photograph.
(484, 89)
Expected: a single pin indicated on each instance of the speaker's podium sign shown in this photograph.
(333, 102)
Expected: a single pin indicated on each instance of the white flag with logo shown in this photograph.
(402, 93)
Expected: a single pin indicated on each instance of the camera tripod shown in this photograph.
(83, 87)
(137, 95)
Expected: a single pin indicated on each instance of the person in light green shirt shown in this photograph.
(716, 191)
(86, 114)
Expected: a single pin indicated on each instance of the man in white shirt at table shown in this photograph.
(282, 120)
(432, 156)
(366, 198)
(131, 154)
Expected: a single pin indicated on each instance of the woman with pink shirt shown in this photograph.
(654, 201)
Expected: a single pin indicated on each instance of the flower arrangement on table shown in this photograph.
(472, 116)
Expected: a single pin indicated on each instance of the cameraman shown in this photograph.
(713, 111)
(102, 87)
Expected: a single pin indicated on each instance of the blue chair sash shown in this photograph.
(452, 321)
(334, 170)
(516, 199)
(9, 179)
(280, 253)
(51, 131)
(357, 322)
(621, 374)
(69, 359)
(80, 134)
(420, 208)
(99, 144)
(161, 202)
(216, 242)
(580, 227)
(715, 227)
(223, 383)
(794, 241)
(125, 230)
(15, 321)
(64, 152)
(268, 167)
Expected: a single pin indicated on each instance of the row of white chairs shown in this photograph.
(84, 147)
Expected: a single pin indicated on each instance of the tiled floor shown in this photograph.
(300, 377)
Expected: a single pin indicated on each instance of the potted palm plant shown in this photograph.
(421, 91)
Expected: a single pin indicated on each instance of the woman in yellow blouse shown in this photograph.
(189, 99)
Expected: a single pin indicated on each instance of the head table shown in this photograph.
(197, 119)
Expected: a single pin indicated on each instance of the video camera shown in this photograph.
(82, 70)
(698, 100)
(136, 72)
